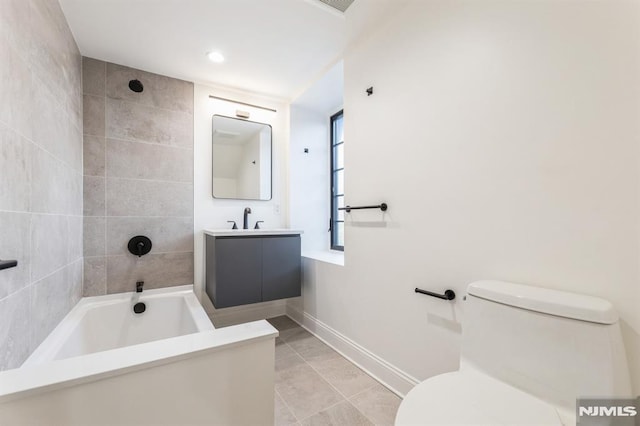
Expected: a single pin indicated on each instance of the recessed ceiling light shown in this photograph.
(215, 57)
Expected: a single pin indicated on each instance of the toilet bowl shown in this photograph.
(473, 399)
(527, 354)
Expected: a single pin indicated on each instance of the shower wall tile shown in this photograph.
(94, 236)
(75, 238)
(77, 195)
(76, 114)
(13, 15)
(94, 155)
(94, 196)
(168, 234)
(55, 58)
(138, 178)
(159, 91)
(55, 187)
(49, 239)
(15, 243)
(53, 297)
(15, 163)
(53, 53)
(73, 150)
(149, 198)
(95, 276)
(41, 165)
(44, 197)
(15, 329)
(93, 116)
(137, 122)
(136, 160)
(16, 91)
(94, 75)
(156, 270)
(55, 131)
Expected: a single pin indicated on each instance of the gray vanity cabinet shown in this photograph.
(280, 267)
(250, 269)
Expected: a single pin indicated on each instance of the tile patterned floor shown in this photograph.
(316, 386)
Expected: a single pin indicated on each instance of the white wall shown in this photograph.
(214, 213)
(309, 197)
(310, 192)
(504, 137)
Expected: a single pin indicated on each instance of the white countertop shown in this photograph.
(250, 232)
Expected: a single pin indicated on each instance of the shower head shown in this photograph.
(136, 86)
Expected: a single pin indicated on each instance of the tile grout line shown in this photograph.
(104, 153)
(281, 398)
(324, 409)
(356, 407)
(347, 399)
(145, 142)
(42, 213)
(32, 283)
(286, 405)
(37, 145)
(143, 180)
(155, 253)
(278, 393)
(130, 102)
(367, 389)
(128, 217)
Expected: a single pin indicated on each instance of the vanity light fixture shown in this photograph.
(242, 114)
(215, 57)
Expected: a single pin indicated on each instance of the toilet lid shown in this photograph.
(472, 398)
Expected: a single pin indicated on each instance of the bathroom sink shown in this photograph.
(248, 232)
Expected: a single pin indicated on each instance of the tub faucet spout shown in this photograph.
(139, 285)
(245, 224)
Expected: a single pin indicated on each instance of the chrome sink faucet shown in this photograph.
(245, 223)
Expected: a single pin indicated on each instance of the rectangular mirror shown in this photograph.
(241, 159)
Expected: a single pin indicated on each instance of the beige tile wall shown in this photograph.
(138, 178)
(40, 174)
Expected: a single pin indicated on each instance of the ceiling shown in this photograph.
(272, 47)
(326, 94)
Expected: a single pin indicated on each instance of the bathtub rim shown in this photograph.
(56, 339)
(42, 378)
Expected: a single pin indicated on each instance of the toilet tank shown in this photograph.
(555, 345)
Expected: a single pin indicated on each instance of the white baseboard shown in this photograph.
(390, 376)
(246, 313)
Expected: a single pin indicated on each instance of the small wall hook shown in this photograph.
(370, 91)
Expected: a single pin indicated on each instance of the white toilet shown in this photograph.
(527, 354)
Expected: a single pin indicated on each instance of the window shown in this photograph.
(336, 226)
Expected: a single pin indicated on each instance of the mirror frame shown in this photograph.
(270, 159)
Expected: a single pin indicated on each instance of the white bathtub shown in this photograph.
(104, 364)
(108, 322)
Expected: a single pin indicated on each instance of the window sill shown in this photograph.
(327, 256)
